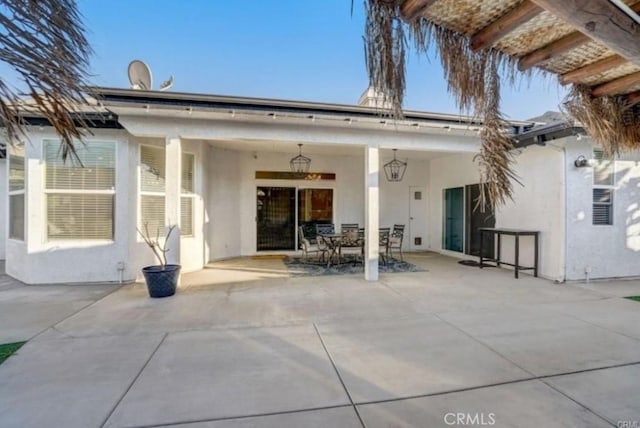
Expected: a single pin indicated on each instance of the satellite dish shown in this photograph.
(140, 75)
(167, 84)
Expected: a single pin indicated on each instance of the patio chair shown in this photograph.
(347, 226)
(325, 228)
(383, 243)
(308, 248)
(326, 244)
(395, 240)
(350, 236)
(352, 243)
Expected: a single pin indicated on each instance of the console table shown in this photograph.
(517, 233)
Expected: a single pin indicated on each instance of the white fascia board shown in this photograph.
(373, 122)
(302, 132)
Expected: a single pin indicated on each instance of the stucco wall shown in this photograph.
(232, 194)
(395, 200)
(4, 206)
(223, 204)
(538, 205)
(606, 251)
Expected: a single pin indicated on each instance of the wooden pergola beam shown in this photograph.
(552, 50)
(575, 76)
(559, 47)
(602, 21)
(617, 86)
(633, 98)
(505, 24)
(412, 9)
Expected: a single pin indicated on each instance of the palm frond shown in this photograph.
(609, 120)
(473, 78)
(385, 51)
(43, 41)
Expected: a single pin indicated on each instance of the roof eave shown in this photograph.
(111, 95)
(540, 136)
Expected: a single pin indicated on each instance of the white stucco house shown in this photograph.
(218, 167)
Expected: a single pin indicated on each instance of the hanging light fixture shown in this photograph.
(394, 170)
(300, 164)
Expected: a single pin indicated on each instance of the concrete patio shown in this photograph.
(244, 344)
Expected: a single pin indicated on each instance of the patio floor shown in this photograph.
(243, 344)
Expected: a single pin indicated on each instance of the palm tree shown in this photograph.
(43, 41)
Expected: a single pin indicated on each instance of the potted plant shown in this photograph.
(162, 279)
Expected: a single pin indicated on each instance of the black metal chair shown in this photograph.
(350, 236)
(325, 229)
(351, 243)
(383, 243)
(395, 240)
(331, 245)
(347, 226)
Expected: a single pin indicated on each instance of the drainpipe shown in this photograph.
(120, 267)
(563, 149)
(565, 214)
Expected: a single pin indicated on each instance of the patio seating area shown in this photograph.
(245, 343)
(335, 247)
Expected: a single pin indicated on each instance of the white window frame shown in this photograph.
(142, 193)
(611, 187)
(9, 153)
(191, 195)
(47, 192)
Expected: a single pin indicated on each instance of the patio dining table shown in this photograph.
(335, 242)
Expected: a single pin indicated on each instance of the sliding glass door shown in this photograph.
(477, 218)
(453, 233)
(276, 215)
(463, 219)
(315, 206)
(276, 218)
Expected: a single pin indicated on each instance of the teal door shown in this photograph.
(453, 233)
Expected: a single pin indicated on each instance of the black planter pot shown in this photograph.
(161, 280)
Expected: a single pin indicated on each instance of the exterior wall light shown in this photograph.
(581, 162)
(395, 169)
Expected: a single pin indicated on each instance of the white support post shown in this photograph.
(372, 212)
(173, 178)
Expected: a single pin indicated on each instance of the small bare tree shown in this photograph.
(43, 41)
(159, 249)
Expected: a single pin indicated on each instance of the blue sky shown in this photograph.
(290, 49)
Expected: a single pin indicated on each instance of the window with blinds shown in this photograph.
(16, 170)
(603, 169)
(187, 187)
(603, 188)
(80, 193)
(16, 217)
(16, 193)
(602, 206)
(152, 188)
